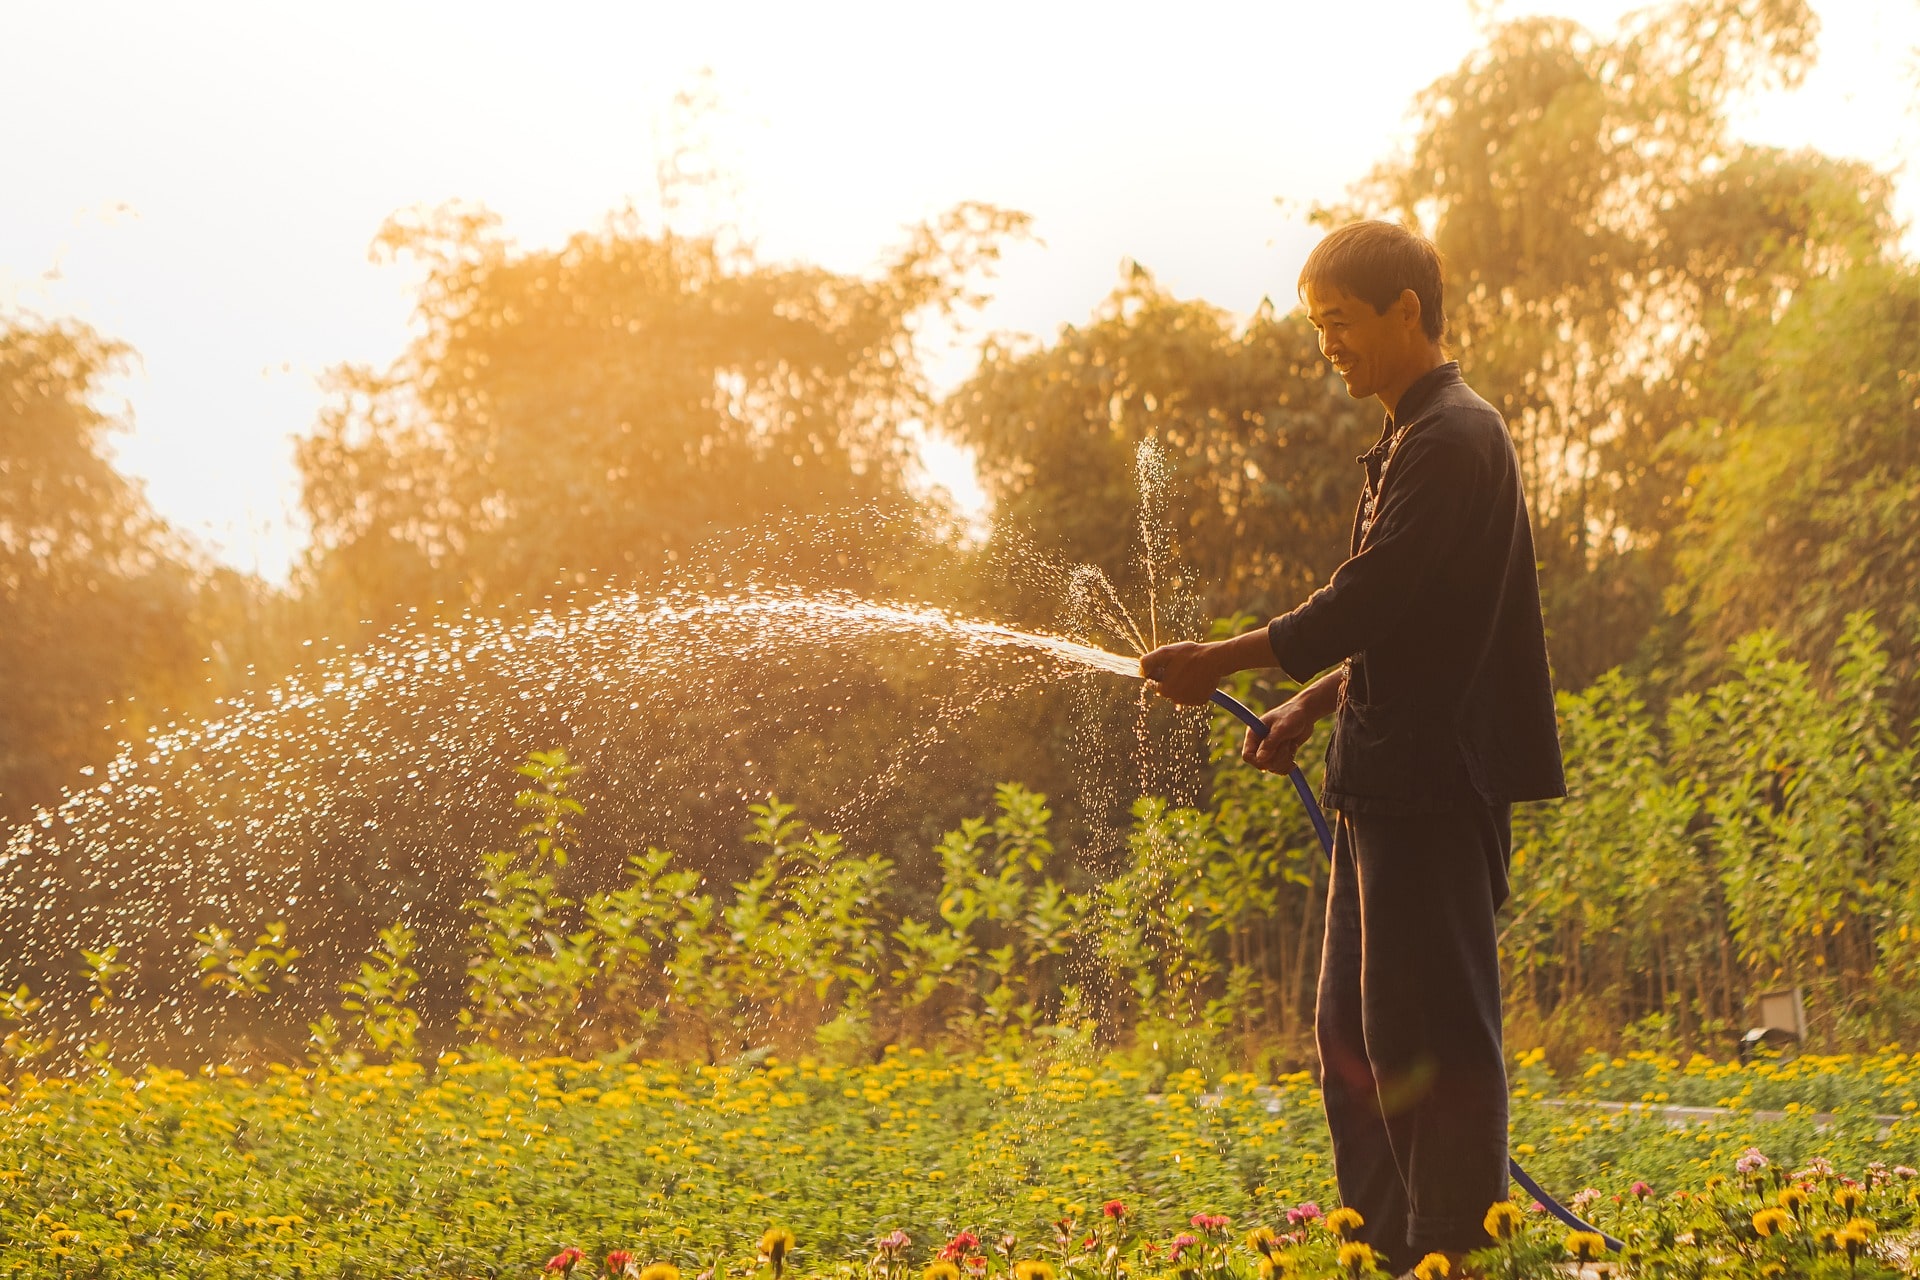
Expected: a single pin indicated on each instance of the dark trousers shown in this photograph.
(1408, 1025)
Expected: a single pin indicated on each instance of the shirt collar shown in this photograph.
(1422, 390)
(1412, 401)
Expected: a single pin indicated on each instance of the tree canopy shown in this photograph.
(98, 596)
(606, 406)
(1607, 242)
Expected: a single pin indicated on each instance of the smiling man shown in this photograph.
(1435, 663)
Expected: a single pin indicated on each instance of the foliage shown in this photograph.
(1609, 246)
(1260, 437)
(98, 595)
(616, 402)
(378, 998)
(1808, 488)
(251, 972)
(1759, 834)
(495, 1166)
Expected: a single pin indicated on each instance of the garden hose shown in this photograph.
(1223, 699)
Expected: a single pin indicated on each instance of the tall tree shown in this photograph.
(98, 596)
(1606, 240)
(605, 407)
(1808, 501)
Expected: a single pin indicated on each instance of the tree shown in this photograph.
(1606, 242)
(1260, 441)
(99, 597)
(1807, 506)
(605, 408)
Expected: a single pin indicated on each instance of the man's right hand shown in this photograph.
(1289, 725)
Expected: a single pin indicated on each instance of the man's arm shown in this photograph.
(1290, 724)
(1434, 487)
(1414, 530)
(1189, 672)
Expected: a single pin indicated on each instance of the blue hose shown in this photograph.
(1225, 700)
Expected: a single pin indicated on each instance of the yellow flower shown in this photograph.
(1503, 1220)
(1862, 1227)
(940, 1270)
(1849, 1199)
(1344, 1222)
(1435, 1266)
(1356, 1257)
(1033, 1269)
(126, 1215)
(1793, 1198)
(1276, 1266)
(775, 1245)
(1771, 1221)
(660, 1271)
(1585, 1245)
(1850, 1242)
(1261, 1241)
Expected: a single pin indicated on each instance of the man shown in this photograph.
(1443, 718)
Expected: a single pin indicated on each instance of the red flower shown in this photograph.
(1210, 1221)
(565, 1260)
(975, 1266)
(618, 1261)
(959, 1246)
(1114, 1209)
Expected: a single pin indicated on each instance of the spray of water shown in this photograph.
(325, 800)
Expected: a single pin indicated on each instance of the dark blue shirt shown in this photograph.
(1437, 615)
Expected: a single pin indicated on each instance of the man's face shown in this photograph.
(1365, 347)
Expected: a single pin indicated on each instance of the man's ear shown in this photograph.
(1408, 305)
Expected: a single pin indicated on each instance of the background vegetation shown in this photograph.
(1709, 356)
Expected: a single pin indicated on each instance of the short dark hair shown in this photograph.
(1375, 261)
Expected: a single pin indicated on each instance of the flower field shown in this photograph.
(904, 1167)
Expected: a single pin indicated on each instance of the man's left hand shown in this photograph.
(1186, 673)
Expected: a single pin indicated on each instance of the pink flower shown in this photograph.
(1902, 1171)
(1752, 1160)
(1210, 1221)
(1181, 1243)
(1641, 1189)
(895, 1242)
(976, 1266)
(565, 1260)
(1536, 1207)
(1307, 1212)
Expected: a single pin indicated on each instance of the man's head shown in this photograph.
(1373, 293)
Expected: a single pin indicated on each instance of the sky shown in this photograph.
(203, 181)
